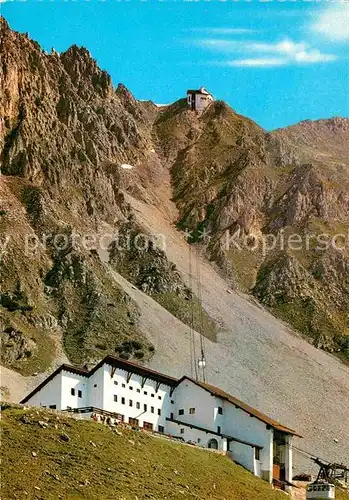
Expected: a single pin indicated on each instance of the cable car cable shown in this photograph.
(191, 326)
(202, 341)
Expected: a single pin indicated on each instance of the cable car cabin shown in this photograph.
(320, 491)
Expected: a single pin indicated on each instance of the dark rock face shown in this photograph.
(248, 196)
(66, 133)
(306, 297)
(15, 346)
(145, 263)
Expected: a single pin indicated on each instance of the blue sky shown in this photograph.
(276, 62)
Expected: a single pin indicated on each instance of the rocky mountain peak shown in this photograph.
(76, 52)
(123, 93)
(334, 122)
(83, 70)
(4, 24)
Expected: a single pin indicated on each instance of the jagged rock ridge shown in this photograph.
(67, 131)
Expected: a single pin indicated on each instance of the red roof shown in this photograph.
(201, 90)
(130, 366)
(113, 361)
(243, 406)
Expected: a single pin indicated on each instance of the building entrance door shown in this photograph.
(213, 444)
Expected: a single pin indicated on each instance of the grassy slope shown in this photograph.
(189, 312)
(134, 465)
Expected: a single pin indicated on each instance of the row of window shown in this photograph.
(192, 411)
(138, 405)
(180, 412)
(130, 387)
(72, 392)
(135, 422)
(146, 425)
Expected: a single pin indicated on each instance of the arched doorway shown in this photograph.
(213, 444)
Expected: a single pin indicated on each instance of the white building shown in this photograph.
(194, 411)
(199, 99)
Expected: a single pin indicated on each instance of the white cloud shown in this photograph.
(286, 47)
(226, 45)
(313, 56)
(257, 62)
(263, 54)
(298, 52)
(333, 22)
